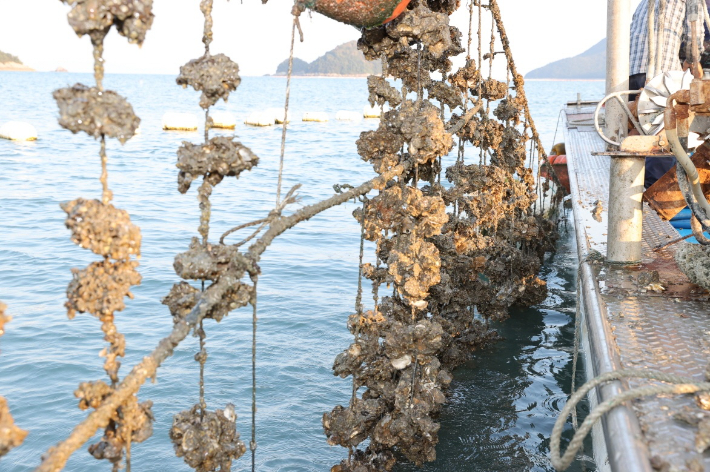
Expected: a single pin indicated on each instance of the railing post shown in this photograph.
(626, 174)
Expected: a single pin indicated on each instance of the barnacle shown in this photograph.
(96, 112)
(102, 228)
(207, 440)
(215, 76)
(100, 288)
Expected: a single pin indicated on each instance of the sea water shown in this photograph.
(503, 402)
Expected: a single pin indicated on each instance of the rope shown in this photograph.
(681, 385)
(273, 215)
(288, 96)
(252, 444)
(358, 298)
(575, 352)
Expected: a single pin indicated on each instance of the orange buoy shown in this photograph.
(558, 163)
(360, 13)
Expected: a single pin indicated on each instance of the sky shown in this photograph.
(257, 36)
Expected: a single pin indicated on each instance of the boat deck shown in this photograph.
(628, 325)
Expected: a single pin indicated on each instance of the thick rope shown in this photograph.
(682, 385)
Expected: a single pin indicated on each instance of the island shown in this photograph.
(589, 65)
(10, 62)
(343, 61)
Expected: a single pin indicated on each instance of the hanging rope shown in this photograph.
(296, 24)
(252, 443)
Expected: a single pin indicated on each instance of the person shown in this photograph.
(675, 34)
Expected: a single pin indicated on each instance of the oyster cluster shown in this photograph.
(96, 112)
(131, 422)
(448, 252)
(11, 436)
(102, 228)
(218, 158)
(215, 76)
(209, 262)
(207, 440)
(132, 18)
(101, 288)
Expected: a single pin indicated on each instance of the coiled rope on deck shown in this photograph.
(680, 385)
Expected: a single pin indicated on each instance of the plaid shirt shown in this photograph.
(676, 29)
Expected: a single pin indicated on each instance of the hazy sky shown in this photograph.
(257, 36)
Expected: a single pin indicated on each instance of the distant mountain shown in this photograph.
(343, 60)
(591, 64)
(10, 62)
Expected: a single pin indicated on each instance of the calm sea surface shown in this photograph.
(503, 403)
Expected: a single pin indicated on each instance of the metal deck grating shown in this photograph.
(667, 331)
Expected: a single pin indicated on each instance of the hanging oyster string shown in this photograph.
(208, 440)
(474, 246)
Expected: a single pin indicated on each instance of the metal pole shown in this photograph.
(624, 233)
(626, 174)
(617, 63)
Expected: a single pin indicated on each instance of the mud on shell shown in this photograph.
(208, 262)
(215, 76)
(96, 112)
(132, 18)
(220, 156)
(207, 443)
